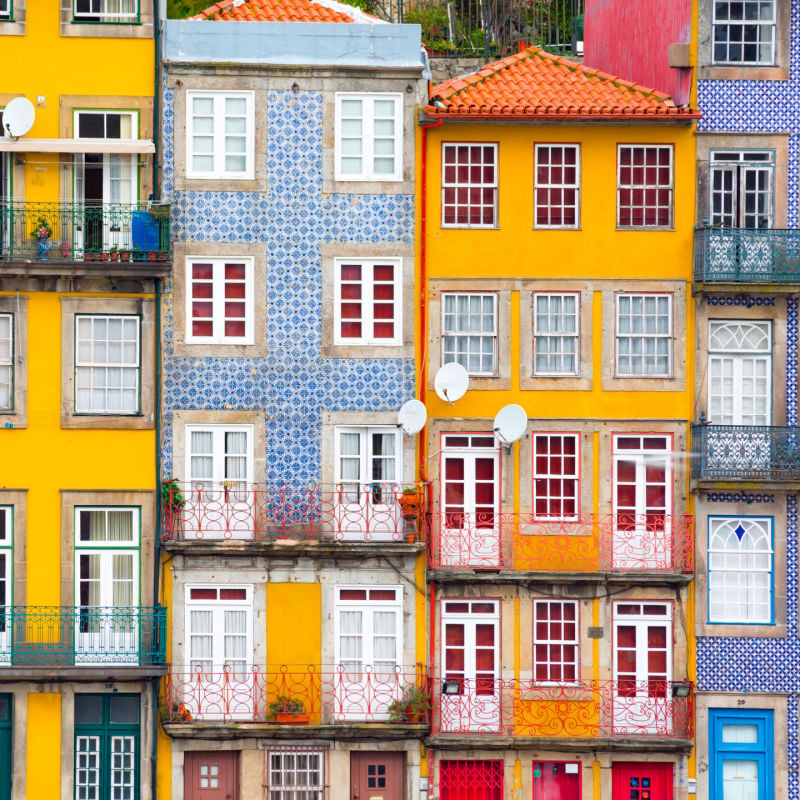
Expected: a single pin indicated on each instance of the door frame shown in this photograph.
(398, 756)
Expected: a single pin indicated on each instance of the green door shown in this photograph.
(5, 747)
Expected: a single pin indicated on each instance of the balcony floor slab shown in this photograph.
(365, 732)
(607, 744)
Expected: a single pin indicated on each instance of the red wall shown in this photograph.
(631, 38)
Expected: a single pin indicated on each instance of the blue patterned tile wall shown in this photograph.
(292, 218)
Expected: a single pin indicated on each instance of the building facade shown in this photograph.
(82, 254)
(556, 256)
(295, 579)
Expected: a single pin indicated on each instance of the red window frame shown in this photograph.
(645, 181)
(469, 184)
(556, 491)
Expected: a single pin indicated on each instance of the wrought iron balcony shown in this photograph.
(587, 543)
(69, 635)
(746, 255)
(585, 710)
(81, 232)
(745, 452)
(345, 512)
(315, 695)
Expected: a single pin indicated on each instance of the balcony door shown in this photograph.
(642, 668)
(368, 472)
(368, 636)
(107, 586)
(5, 197)
(105, 183)
(470, 698)
(642, 502)
(470, 501)
(6, 556)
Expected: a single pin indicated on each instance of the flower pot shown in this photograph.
(288, 718)
(114, 256)
(125, 255)
(105, 257)
(412, 715)
(411, 538)
(151, 255)
(409, 507)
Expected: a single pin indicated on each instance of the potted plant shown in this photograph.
(42, 233)
(288, 711)
(124, 255)
(410, 502)
(114, 253)
(173, 500)
(411, 707)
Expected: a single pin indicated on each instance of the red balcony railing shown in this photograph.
(315, 695)
(346, 512)
(589, 709)
(587, 543)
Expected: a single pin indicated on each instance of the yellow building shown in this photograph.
(556, 215)
(81, 259)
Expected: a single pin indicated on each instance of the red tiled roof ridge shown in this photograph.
(282, 11)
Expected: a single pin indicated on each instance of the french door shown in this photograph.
(218, 683)
(470, 501)
(368, 636)
(368, 472)
(5, 200)
(642, 668)
(470, 691)
(642, 502)
(6, 622)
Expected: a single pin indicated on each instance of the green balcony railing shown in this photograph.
(747, 255)
(82, 636)
(84, 232)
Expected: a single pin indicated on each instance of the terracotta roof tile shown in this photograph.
(534, 83)
(276, 11)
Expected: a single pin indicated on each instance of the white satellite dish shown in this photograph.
(510, 423)
(412, 417)
(451, 382)
(18, 117)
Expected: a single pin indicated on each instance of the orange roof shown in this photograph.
(275, 11)
(534, 83)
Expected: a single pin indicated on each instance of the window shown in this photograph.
(555, 641)
(555, 334)
(220, 629)
(6, 362)
(469, 185)
(219, 134)
(219, 300)
(369, 137)
(469, 331)
(740, 372)
(368, 299)
(107, 361)
(740, 570)
(471, 780)
(220, 455)
(106, 10)
(366, 456)
(741, 188)
(558, 186)
(742, 761)
(644, 186)
(6, 586)
(6, 749)
(642, 479)
(107, 746)
(368, 635)
(555, 476)
(744, 32)
(5, 15)
(644, 335)
(296, 775)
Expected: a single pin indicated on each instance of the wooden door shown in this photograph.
(641, 781)
(556, 780)
(376, 776)
(211, 775)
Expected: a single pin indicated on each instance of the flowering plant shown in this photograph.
(42, 230)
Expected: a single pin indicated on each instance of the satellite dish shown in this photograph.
(412, 417)
(510, 423)
(451, 382)
(18, 117)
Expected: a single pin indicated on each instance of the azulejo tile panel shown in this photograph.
(292, 218)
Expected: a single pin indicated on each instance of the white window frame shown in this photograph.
(756, 23)
(735, 571)
(104, 13)
(468, 185)
(556, 337)
(563, 477)
(7, 577)
(218, 300)
(218, 454)
(547, 185)
(367, 302)
(462, 356)
(737, 166)
(369, 633)
(739, 355)
(644, 186)
(6, 7)
(645, 337)
(287, 779)
(218, 152)
(561, 642)
(368, 137)
(642, 456)
(124, 366)
(7, 360)
(365, 455)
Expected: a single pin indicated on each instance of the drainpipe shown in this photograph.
(157, 100)
(157, 544)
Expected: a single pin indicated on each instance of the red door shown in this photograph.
(211, 776)
(556, 780)
(641, 781)
(376, 776)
